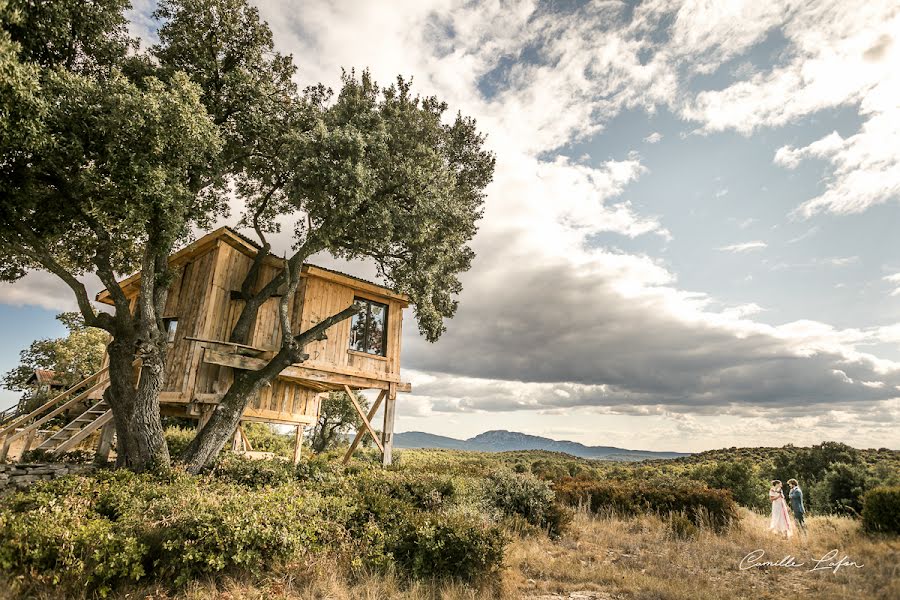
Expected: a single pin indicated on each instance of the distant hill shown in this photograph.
(505, 441)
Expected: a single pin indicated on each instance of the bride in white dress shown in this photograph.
(781, 520)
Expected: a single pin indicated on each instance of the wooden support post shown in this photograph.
(236, 439)
(205, 416)
(362, 416)
(248, 447)
(387, 450)
(105, 445)
(26, 443)
(362, 430)
(298, 444)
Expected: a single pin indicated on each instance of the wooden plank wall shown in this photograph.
(188, 295)
(200, 298)
(324, 298)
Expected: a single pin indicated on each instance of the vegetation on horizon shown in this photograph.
(436, 517)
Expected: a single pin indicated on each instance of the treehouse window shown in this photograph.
(368, 331)
(171, 326)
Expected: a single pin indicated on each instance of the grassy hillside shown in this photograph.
(448, 524)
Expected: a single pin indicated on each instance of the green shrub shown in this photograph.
(253, 473)
(700, 504)
(178, 438)
(843, 487)
(75, 457)
(738, 477)
(881, 510)
(448, 545)
(264, 438)
(526, 496)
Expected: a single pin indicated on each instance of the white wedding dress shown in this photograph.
(781, 520)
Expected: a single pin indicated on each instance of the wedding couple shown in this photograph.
(781, 521)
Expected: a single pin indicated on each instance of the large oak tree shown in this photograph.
(110, 156)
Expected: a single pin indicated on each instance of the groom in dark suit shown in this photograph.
(796, 496)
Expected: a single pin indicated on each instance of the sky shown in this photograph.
(689, 242)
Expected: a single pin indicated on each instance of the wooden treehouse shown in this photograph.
(203, 305)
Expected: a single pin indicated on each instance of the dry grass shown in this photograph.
(641, 559)
(629, 559)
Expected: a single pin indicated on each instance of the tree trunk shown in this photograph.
(140, 444)
(227, 414)
(247, 319)
(247, 384)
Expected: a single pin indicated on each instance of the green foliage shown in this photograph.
(178, 438)
(738, 477)
(881, 510)
(253, 473)
(842, 489)
(264, 438)
(449, 545)
(700, 504)
(337, 417)
(75, 457)
(528, 497)
(71, 358)
(681, 527)
(112, 527)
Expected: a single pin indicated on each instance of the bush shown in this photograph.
(681, 527)
(881, 510)
(700, 504)
(264, 438)
(253, 473)
(448, 546)
(843, 486)
(738, 477)
(117, 526)
(178, 438)
(530, 498)
(112, 527)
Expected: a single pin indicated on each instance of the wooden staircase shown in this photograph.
(26, 426)
(84, 425)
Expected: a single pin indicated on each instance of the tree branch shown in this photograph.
(33, 249)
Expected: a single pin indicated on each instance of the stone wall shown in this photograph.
(22, 475)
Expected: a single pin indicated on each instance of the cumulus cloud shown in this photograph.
(653, 138)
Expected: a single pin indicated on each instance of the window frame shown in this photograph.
(368, 316)
(170, 335)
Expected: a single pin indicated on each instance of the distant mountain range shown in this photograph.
(504, 441)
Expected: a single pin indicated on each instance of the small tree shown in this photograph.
(71, 358)
(337, 417)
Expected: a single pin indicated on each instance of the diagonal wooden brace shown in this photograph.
(362, 416)
(362, 431)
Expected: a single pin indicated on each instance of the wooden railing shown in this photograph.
(46, 411)
(8, 414)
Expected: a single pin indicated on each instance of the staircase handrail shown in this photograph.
(47, 405)
(8, 414)
(4, 450)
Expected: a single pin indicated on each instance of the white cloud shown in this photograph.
(894, 280)
(744, 247)
(548, 319)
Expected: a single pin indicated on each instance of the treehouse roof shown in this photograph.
(44, 376)
(250, 248)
